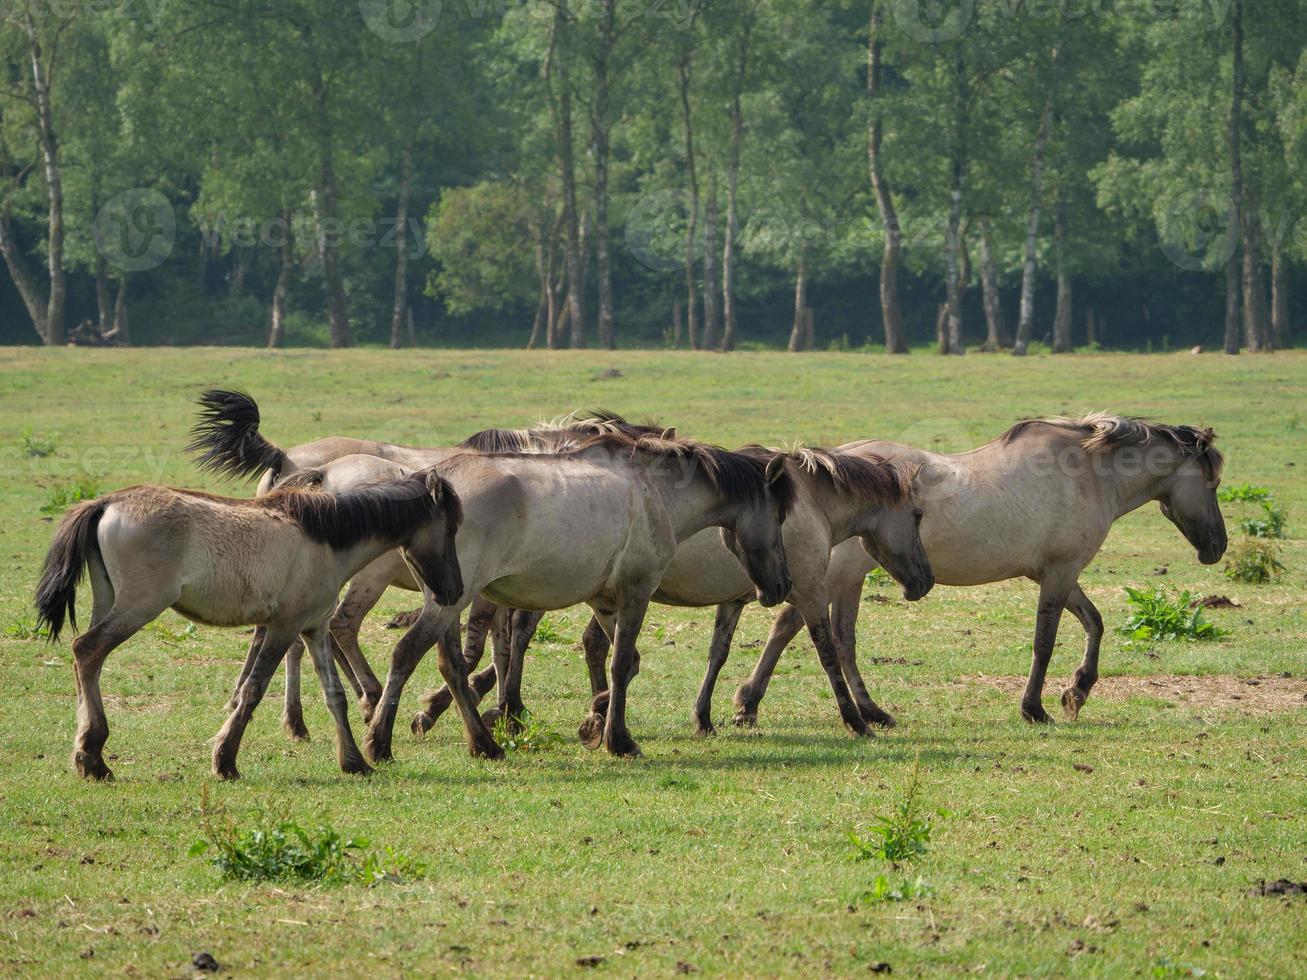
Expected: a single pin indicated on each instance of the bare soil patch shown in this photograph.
(1252, 695)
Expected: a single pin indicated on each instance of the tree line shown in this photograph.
(994, 174)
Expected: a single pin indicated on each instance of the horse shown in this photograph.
(227, 442)
(598, 524)
(838, 496)
(1037, 502)
(278, 561)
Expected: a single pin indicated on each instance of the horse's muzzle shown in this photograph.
(768, 598)
(918, 588)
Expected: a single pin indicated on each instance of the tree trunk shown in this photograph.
(239, 271)
(799, 330)
(285, 268)
(326, 212)
(556, 68)
(602, 124)
(554, 280)
(890, 310)
(579, 286)
(1062, 318)
(399, 313)
(542, 277)
(692, 206)
(1232, 322)
(120, 333)
(1091, 329)
(412, 329)
(994, 328)
(710, 320)
(103, 295)
(1234, 138)
(952, 259)
(676, 323)
(1026, 314)
(1256, 334)
(809, 329)
(1280, 330)
(21, 273)
(732, 188)
(53, 329)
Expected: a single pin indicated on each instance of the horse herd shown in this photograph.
(594, 509)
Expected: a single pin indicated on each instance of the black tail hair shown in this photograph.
(226, 439)
(65, 563)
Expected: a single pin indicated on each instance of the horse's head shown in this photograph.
(892, 536)
(1188, 500)
(754, 536)
(431, 551)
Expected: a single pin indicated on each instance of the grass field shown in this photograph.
(1125, 843)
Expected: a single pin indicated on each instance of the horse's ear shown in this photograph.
(776, 467)
(669, 432)
(436, 486)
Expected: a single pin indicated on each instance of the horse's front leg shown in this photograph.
(844, 625)
(276, 639)
(597, 640)
(318, 639)
(429, 627)
(815, 613)
(1053, 592)
(750, 694)
(727, 618)
(362, 596)
(453, 668)
(484, 617)
(256, 641)
(626, 663)
(1075, 696)
(511, 708)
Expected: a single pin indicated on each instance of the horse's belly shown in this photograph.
(542, 593)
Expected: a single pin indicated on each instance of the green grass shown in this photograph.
(1122, 844)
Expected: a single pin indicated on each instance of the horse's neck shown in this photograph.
(1131, 486)
(840, 512)
(691, 501)
(352, 560)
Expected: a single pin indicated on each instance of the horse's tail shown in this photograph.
(226, 438)
(65, 562)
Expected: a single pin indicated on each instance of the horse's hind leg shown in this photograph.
(1075, 696)
(364, 591)
(292, 717)
(727, 618)
(348, 755)
(815, 614)
(750, 694)
(256, 641)
(511, 707)
(484, 617)
(596, 643)
(596, 640)
(1053, 592)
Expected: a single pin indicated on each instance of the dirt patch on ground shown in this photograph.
(1254, 695)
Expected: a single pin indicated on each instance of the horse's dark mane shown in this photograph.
(389, 509)
(1103, 432)
(870, 478)
(558, 435)
(740, 477)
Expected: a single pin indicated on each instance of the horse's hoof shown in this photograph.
(704, 729)
(878, 717)
(421, 724)
(860, 729)
(368, 708)
(1036, 715)
(745, 718)
(482, 749)
(226, 772)
(1072, 701)
(377, 750)
(623, 747)
(437, 705)
(353, 765)
(591, 732)
(295, 729)
(490, 718)
(92, 767)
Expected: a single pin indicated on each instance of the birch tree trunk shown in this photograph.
(327, 211)
(21, 273)
(890, 310)
(1062, 318)
(692, 206)
(277, 314)
(733, 185)
(799, 330)
(1234, 138)
(557, 75)
(601, 126)
(399, 312)
(542, 277)
(1280, 329)
(952, 259)
(1256, 335)
(710, 319)
(991, 300)
(52, 329)
(1026, 313)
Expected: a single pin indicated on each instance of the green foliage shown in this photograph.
(904, 889)
(899, 838)
(528, 735)
(1156, 617)
(1269, 524)
(1254, 561)
(280, 849)
(24, 628)
(1243, 493)
(36, 447)
(878, 578)
(61, 498)
(1166, 968)
(172, 636)
(547, 632)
